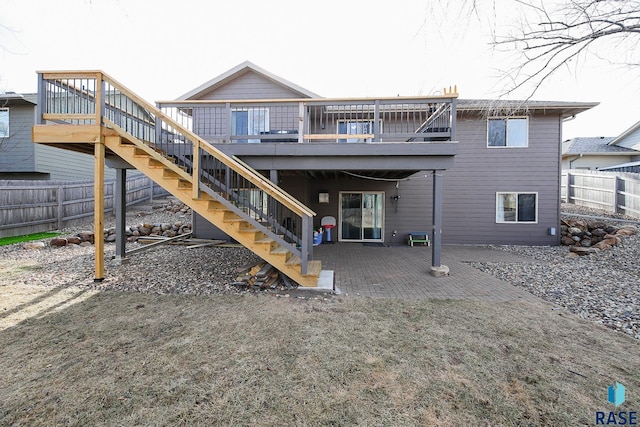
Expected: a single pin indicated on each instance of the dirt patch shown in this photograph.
(22, 301)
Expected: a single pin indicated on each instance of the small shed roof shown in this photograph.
(12, 98)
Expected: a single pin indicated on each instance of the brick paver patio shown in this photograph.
(403, 272)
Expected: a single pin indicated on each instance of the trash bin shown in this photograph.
(317, 238)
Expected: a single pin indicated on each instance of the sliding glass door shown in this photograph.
(361, 216)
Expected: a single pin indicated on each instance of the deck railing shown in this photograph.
(94, 98)
(401, 119)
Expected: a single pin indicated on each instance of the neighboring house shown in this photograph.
(596, 153)
(379, 166)
(20, 158)
(630, 138)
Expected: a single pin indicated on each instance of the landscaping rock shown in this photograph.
(33, 245)
(58, 242)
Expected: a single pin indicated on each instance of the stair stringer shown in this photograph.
(244, 230)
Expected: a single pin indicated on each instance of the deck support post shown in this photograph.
(437, 269)
(98, 208)
(121, 212)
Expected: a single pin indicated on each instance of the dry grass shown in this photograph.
(133, 359)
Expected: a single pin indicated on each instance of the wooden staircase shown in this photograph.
(82, 110)
(180, 185)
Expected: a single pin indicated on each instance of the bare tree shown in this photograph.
(548, 39)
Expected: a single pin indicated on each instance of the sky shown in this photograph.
(161, 49)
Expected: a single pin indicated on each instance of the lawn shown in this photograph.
(119, 358)
(27, 238)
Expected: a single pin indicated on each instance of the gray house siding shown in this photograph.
(20, 158)
(66, 165)
(470, 187)
(250, 86)
(469, 193)
(17, 153)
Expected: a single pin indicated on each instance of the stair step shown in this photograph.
(183, 183)
(314, 267)
(153, 163)
(168, 173)
(294, 260)
(265, 240)
(280, 251)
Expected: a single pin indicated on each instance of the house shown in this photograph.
(595, 153)
(629, 140)
(502, 188)
(22, 160)
(264, 162)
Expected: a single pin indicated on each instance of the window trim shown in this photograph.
(517, 193)
(7, 133)
(507, 118)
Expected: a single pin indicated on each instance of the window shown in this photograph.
(355, 127)
(517, 207)
(4, 122)
(251, 121)
(508, 132)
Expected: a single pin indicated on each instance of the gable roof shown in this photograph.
(624, 134)
(593, 145)
(238, 71)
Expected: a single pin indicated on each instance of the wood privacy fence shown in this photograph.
(613, 191)
(34, 206)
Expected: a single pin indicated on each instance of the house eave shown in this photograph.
(409, 158)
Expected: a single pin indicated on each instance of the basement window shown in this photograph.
(516, 207)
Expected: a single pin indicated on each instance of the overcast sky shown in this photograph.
(161, 49)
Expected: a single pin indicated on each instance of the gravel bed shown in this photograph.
(162, 270)
(604, 287)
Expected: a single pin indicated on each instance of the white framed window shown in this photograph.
(507, 132)
(4, 123)
(517, 208)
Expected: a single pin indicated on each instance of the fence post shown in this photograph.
(60, 207)
(618, 191)
(570, 182)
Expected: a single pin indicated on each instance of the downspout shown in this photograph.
(571, 161)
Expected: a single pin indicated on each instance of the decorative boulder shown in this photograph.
(58, 242)
(33, 245)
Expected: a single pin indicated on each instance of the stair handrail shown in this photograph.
(198, 142)
(250, 174)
